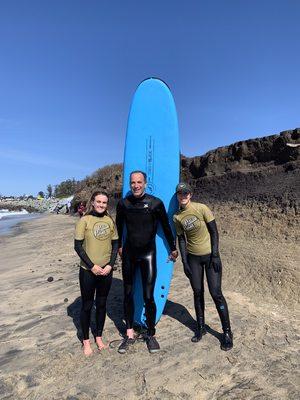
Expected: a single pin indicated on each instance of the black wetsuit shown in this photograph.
(141, 217)
(91, 283)
(194, 267)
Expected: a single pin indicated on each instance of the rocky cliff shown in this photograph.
(263, 170)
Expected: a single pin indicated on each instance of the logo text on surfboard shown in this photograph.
(150, 164)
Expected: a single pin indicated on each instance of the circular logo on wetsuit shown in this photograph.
(190, 222)
(101, 230)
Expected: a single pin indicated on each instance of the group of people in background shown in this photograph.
(98, 241)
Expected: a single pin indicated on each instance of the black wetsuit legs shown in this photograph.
(89, 284)
(146, 261)
(196, 278)
(197, 264)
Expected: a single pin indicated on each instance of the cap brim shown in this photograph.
(183, 191)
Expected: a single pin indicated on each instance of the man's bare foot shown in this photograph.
(87, 350)
(130, 333)
(100, 344)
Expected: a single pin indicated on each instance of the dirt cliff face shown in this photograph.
(263, 170)
(108, 179)
(245, 155)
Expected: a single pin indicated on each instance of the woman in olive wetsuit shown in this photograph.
(96, 243)
(198, 241)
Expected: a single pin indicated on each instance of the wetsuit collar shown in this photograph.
(96, 214)
(138, 198)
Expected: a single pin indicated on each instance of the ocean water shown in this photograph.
(9, 219)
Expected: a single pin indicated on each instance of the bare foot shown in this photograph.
(87, 350)
(100, 344)
(130, 333)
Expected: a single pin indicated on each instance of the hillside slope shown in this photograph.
(263, 170)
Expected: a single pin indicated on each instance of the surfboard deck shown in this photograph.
(152, 145)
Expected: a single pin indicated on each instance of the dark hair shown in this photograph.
(138, 172)
(89, 206)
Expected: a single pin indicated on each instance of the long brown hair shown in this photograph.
(89, 206)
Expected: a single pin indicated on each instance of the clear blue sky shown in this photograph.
(69, 68)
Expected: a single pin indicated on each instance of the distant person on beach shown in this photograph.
(198, 241)
(140, 213)
(96, 243)
(81, 209)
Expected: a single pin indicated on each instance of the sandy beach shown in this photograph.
(40, 350)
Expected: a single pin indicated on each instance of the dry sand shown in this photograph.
(40, 353)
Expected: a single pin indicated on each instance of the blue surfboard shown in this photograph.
(152, 145)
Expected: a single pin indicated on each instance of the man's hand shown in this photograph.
(173, 256)
(120, 251)
(215, 263)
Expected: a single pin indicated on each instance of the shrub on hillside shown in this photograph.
(65, 188)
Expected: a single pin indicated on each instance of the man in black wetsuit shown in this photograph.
(141, 213)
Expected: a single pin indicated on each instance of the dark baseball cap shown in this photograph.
(183, 187)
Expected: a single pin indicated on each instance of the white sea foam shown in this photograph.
(4, 213)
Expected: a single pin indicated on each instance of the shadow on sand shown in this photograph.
(115, 312)
(182, 315)
(114, 309)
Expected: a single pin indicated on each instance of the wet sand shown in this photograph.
(40, 350)
(10, 225)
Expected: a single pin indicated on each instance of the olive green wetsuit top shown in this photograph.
(192, 221)
(97, 234)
